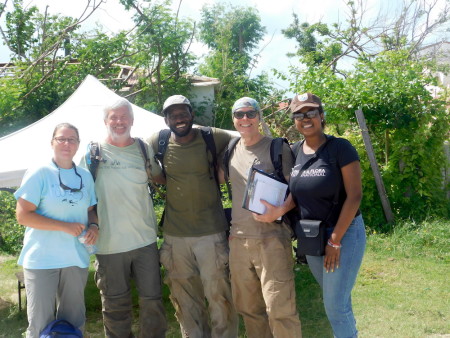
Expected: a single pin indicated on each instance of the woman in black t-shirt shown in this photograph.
(314, 188)
(334, 171)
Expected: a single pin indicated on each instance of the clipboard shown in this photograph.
(261, 185)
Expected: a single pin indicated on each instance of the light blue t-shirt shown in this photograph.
(44, 249)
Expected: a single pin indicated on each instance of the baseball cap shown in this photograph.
(245, 102)
(304, 100)
(175, 99)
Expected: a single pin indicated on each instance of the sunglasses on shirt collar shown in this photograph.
(65, 187)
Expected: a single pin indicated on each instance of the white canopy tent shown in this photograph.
(84, 109)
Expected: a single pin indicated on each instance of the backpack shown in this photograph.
(163, 142)
(276, 156)
(95, 158)
(60, 328)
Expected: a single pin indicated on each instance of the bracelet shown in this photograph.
(334, 245)
(95, 225)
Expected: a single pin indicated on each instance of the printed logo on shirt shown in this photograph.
(70, 197)
(308, 173)
(73, 198)
(313, 173)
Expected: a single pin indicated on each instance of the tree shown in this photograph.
(360, 36)
(232, 34)
(309, 44)
(20, 29)
(162, 42)
(42, 49)
(388, 82)
(407, 125)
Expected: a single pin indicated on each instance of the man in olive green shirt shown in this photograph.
(195, 249)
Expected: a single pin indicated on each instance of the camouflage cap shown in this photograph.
(245, 102)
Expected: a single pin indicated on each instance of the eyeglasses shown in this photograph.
(309, 114)
(62, 140)
(250, 114)
(65, 187)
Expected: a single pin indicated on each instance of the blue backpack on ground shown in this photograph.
(60, 328)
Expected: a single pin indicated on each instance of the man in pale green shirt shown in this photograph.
(127, 246)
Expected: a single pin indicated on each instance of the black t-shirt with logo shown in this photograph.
(314, 187)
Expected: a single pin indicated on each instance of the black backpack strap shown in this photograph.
(143, 149)
(226, 163)
(211, 147)
(163, 142)
(144, 154)
(148, 166)
(276, 155)
(94, 158)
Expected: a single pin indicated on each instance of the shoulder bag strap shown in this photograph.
(312, 160)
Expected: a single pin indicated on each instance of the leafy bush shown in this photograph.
(11, 233)
(407, 126)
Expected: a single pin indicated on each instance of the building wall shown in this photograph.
(202, 99)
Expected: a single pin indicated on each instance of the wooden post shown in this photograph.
(373, 163)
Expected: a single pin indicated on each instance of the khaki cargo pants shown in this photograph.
(197, 268)
(262, 280)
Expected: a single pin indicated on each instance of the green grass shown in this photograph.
(403, 286)
(402, 290)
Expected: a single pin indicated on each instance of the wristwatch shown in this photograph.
(95, 225)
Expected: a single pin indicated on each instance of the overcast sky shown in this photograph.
(275, 16)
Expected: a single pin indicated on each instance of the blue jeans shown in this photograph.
(337, 286)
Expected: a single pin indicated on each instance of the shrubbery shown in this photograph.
(407, 126)
(11, 233)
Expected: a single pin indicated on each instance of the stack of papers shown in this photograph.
(263, 186)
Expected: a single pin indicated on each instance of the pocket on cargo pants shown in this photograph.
(165, 256)
(100, 277)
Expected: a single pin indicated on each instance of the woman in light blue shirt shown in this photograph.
(56, 203)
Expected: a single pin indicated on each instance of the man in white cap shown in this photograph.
(195, 249)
